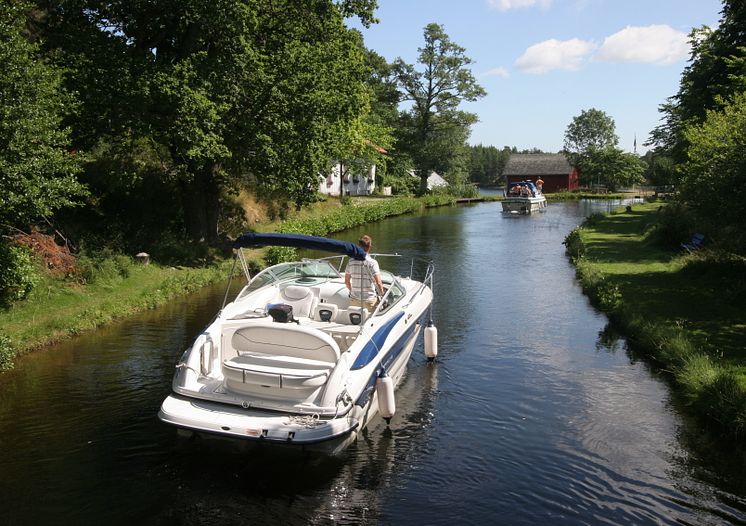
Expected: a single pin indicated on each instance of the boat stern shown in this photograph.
(204, 417)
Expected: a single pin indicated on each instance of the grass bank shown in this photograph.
(685, 311)
(118, 287)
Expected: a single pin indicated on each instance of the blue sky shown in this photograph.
(544, 61)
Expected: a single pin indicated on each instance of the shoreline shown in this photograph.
(671, 306)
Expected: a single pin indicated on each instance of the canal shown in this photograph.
(534, 413)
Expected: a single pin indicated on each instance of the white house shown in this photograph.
(433, 180)
(354, 182)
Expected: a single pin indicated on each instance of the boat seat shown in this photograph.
(301, 298)
(282, 362)
(356, 315)
(325, 312)
(287, 340)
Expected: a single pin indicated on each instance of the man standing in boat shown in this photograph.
(363, 278)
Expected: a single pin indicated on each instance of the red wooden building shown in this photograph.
(553, 168)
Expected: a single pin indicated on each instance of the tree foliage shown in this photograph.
(591, 130)
(591, 144)
(712, 177)
(611, 167)
(434, 131)
(487, 164)
(37, 170)
(257, 92)
(716, 71)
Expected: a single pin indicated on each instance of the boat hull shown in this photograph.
(215, 420)
(524, 205)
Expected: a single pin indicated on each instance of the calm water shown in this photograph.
(534, 413)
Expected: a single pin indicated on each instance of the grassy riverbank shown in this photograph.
(686, 311)
(117, 287)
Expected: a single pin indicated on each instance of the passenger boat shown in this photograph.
(523, 197)
(291, 362)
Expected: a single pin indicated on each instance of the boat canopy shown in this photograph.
(252, 239)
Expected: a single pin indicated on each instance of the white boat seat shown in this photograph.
(280, 361)
(356, 315)
(301, 298)
(325, 312)
(288, 340)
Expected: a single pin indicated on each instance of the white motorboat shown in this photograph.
(523, 197)
(290, 361)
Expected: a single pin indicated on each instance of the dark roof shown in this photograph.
(537, 164)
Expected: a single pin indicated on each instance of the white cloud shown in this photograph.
(506, 5)
(655, 44)
(555, 54)
(496, 72)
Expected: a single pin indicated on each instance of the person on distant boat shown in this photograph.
(539, 185)
(363, 278)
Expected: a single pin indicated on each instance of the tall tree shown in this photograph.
(712, 177)
(592, 129)
(259, 91)
(591, 144)
(37, 168)
(434, 131)
(716, 72)
(487, 164)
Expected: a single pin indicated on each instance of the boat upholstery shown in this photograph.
(280, 361)
(330, 309)
(302, 299)
(285, 340)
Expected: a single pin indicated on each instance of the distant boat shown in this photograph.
(522, 197)
(291, 362)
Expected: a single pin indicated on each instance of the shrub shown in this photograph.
(676, 223)
(103, 267)
(18, 274)
(275, 255)
(7, 353)
(574, 245)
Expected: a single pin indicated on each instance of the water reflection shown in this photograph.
(531, 413)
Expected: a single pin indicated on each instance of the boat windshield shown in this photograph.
(307, 272)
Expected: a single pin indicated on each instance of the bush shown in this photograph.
(574, 246)
(676, 224)
(103, 267)
(275, 255)
(18, 273)
(7, 353)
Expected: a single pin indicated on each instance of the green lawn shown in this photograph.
(687, 311)
(670, 287)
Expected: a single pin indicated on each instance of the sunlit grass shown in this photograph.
(57, 309)
(687, 311)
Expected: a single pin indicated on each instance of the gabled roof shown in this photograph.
(537, 164)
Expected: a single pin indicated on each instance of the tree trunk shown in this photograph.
(200, 198)
(423, 181)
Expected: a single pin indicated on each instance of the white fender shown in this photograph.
(431, 341)
(385, 393)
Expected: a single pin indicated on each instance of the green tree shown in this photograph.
(259, 92)
(716, 71)
(37, 168)
(591, 145)
(611, 167)
(660, 169)
(487, 164)
(434, 131)
(712, 177)
(592, 129)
